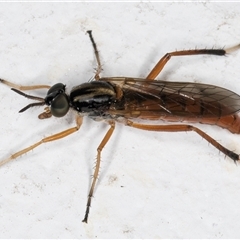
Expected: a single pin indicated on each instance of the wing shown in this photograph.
(178, 100)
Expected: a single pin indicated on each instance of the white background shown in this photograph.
(151, 185)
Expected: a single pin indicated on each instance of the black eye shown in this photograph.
(56, 88)
(60, 105)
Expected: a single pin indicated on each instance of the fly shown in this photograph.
(125, 100)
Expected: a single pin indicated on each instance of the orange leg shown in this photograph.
(185, 128)
(45, 140)
(97, 167)
(23, 88)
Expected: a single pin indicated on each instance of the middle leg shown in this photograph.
(97, 167)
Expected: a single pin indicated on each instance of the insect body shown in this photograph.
(123, 100)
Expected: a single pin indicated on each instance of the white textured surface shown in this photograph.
(152, 185)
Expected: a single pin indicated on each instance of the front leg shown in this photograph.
(45, 140)
(23, 88)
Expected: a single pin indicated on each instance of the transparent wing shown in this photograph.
(161, 99)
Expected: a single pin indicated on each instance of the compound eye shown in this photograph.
(60, 105)
(56, 87)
